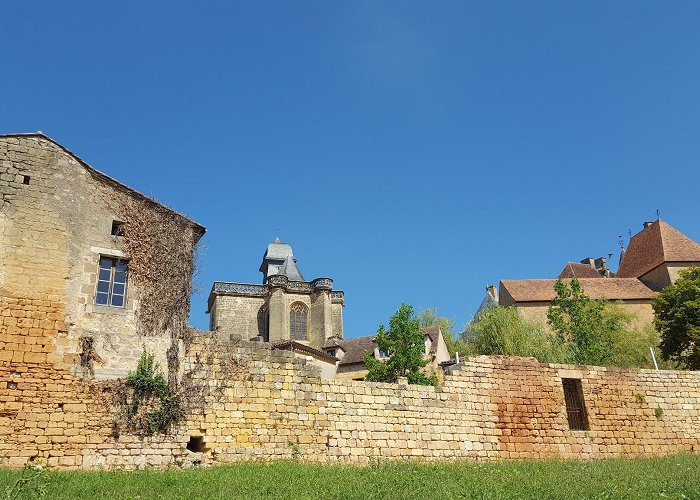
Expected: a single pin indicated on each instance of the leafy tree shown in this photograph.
(580, 325)
(404, 345)
(430, 317)
(596, 332)
(503, 331)
(677, 318)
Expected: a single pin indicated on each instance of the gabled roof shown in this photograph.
(198, 228)
(655, 244)
(433, 332)
(355, 348)
(595, 288)
(578, 270)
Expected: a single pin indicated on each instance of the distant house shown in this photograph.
(653, 260)
(351, 353)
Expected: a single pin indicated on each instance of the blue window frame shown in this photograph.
(111, 282)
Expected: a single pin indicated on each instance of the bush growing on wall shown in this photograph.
(153, 407)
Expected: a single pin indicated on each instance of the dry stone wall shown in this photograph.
(246, 401)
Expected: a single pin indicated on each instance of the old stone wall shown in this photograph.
(55, 223)
(246, 401)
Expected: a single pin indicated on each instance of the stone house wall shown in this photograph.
(56, 219)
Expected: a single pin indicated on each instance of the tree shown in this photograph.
(503, 331)
(677, 318)
(430, 317)
(404, 345)
(596, 332)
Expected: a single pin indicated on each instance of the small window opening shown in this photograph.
(196, 444)
(117, 228)
(331, 352)
(575, 405)
(25, 179)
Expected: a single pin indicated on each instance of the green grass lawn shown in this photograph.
(670, 477)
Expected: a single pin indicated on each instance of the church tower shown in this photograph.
(284, 307)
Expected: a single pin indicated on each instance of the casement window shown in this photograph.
(111, 282)
(297, 321)
(575, 405)
(331, 352)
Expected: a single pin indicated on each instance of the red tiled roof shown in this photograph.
(578, 270)
(610, 289)
(656, 244)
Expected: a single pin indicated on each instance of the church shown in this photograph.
(284, 308)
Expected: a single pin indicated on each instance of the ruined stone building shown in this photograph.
(653, 260)
(69, 287)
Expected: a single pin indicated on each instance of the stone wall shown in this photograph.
(55, 223)
(248, 401)
(487, 408)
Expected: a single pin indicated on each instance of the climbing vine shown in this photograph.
(160, 245)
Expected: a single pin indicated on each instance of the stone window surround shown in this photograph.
(90, 304)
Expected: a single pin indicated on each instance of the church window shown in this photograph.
(297, 321)
(111, 282)
(264, 323)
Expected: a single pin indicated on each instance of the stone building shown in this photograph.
(67, 291)
(653, 260)
(351, 353)
(285, 307)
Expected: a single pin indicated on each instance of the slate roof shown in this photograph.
(654, 245)
(280, 253)
(578, 270)
(290, 270)
(595, 288)
(294, 346)
(355, 348)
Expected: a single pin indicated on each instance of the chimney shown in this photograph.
(648, 223)
(589, 262)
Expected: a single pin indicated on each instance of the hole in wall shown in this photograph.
(12, 385)
(117, 228)
(60, 406)
(196, 444)
(25, 179)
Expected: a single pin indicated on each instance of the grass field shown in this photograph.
(670, 477)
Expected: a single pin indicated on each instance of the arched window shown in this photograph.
(264, 323)
(297, 321)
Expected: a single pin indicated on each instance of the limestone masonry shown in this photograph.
(71, 327)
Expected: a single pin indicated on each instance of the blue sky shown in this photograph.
(413, 151)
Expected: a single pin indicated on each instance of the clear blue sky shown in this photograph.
(412, 151)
